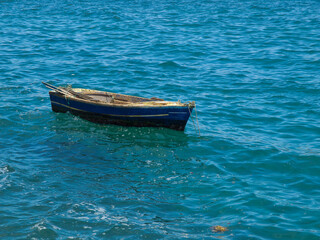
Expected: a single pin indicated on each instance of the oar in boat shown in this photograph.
(69, 92)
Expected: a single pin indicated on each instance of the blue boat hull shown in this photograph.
(174, 117)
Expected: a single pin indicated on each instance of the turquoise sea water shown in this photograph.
(251, 66)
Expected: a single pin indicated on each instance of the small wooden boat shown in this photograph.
(113, 108)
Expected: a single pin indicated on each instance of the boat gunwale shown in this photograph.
(177, 104)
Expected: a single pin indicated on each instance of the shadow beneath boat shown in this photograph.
(74, 126)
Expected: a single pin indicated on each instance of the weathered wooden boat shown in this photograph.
(113, 108)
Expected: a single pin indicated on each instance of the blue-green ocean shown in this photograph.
(253, 68)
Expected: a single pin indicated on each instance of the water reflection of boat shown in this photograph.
(113, 108)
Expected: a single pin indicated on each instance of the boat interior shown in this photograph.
(109, 97)
(112, 98)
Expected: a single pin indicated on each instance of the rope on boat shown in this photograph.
(67, 99)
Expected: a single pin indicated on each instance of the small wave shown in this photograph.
(9, 88)
(170, 64)
(43, 229)
(6, 169)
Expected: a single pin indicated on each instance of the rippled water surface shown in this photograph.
(251, 66)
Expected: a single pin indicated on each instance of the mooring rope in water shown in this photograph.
(194, 125)
(195, 109)
(192, 119)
